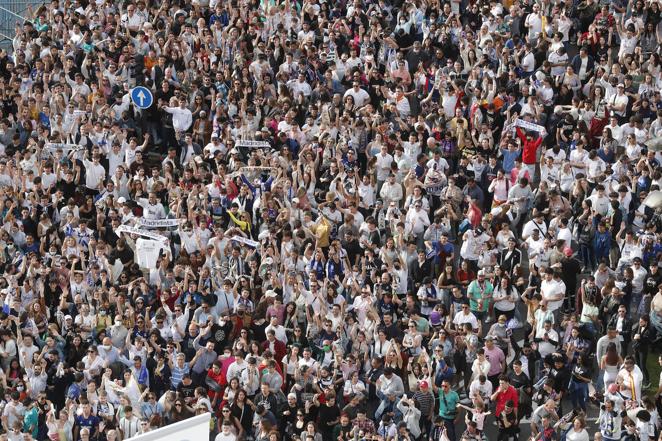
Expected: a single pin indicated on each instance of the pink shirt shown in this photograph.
(496, 358)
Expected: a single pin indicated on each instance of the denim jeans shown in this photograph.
(588, 258)
(600, 380)
(450, 429)
(578, 394)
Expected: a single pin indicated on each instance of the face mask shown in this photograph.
(102, 313)
(326, 348)
(107, 347)
(20, 388)
(118, 322)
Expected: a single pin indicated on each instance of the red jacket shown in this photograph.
(279, 348)
(529, 148)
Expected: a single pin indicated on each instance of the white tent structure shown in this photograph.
(192, 429)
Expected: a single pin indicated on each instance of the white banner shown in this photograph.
(530, 126)
(158, 223)
(63, 147)
(195, 428)
(139, 232)
(252, 144)
(250, 243)
(255, 168)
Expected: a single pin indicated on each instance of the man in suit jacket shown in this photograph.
(510, 258)
(189, 150)
(643, 337)
(623, 325)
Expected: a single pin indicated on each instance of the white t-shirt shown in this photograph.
(361, 97)
(556, 58)
(531, 225)
(14, 413)
(617, 101)
(528, 63)
(94, 175)
(461, 318)
(534, 23)
(550, 289)
(577, 436)
(223, 437)
(600, 204)
(627, 45)
(147, 252)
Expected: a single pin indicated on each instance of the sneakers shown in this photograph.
(488, 320)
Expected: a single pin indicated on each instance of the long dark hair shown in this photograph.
(611, 356)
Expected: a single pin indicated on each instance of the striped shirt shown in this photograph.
(177, 374)
(129, 426)
(425, 401)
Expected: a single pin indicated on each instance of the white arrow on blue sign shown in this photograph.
(142, 97)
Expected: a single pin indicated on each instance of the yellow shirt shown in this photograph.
(322, 231)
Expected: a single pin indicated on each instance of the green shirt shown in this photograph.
(448, 404)
(475, 292)
(31, 420)
(422, 325)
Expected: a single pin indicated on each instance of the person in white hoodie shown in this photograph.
(411, 415)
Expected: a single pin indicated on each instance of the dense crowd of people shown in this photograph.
(368, 220)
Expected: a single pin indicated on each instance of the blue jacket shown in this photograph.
(602, 244)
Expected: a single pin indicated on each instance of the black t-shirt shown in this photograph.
(353, 249)
(29, 227)
(258, 331)
(511, 418)
(561, 378)
(68, 188)
(569, 270)
(566, 128)
(185, 390)
(403, 39)
(221, 335)
(125, 255)
(326, 415)
(581, 371)
(109, 235)
(652, 282)
(519, 380)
